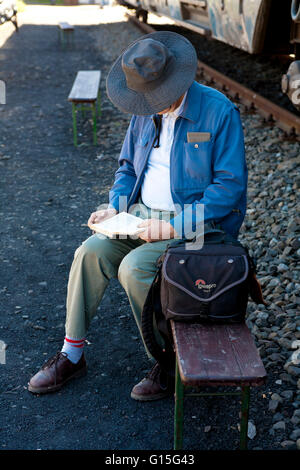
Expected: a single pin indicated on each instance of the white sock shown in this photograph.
(73, 348)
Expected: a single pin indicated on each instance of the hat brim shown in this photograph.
(179, 78)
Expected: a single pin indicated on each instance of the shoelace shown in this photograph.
(54, 360)
(154, 373)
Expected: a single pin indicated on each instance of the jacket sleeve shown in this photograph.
(229, 178)
(125, 176)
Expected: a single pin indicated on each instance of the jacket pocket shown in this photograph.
(197, 164)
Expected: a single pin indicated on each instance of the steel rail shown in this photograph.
(271, 112)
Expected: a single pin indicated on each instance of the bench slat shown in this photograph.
(85, 87)
(65, 26)
(217, 355)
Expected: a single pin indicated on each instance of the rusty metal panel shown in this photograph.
(157, 6)
(240, 23)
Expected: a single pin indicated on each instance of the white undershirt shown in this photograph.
(156, 190)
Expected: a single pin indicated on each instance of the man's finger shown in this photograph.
(96, 217)
(91, 219)
(145, 223)
(145, 238)
(144, 235)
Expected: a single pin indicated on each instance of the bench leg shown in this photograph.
(69, 35)
(94, 115)
(244, 417)
(74, 111)
(99, 103)
(178, 413)
(63, 39)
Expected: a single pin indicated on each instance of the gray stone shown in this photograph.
(295, 434)
(273, 405)
(279, 426)
(293, 370)
(282, 268)
(288, 444)
(251, 433)
(276, 397)
(263, 315)
(277, 417)
(274, 282)
(288, 394)
(295, 420)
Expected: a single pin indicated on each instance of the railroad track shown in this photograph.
(272, 114)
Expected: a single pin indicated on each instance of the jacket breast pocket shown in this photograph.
(197, 163)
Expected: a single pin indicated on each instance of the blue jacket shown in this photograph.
(212, 173)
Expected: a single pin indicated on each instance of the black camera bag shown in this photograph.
(210, 284)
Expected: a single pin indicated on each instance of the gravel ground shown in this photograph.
(49, 190)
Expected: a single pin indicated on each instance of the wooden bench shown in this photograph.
(65, 33)
(215, 355)
(86, 91)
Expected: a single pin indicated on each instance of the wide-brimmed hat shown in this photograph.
(152, 73)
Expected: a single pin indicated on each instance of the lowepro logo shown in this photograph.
(201, 284)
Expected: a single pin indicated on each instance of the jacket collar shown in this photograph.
(191, 108)
(192, 105)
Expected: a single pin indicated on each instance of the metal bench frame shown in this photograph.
(85, 95)
(95, 108)
(179, 401)
(65, 35)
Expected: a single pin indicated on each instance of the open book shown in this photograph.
(120, 224)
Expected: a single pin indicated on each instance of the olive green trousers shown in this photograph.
(97, 260)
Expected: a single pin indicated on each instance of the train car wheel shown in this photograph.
(143, 14)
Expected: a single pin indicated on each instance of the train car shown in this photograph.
(255, 26)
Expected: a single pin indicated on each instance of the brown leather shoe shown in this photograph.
(154, 386)
(55, 373)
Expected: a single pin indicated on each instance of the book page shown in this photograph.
(120, 224)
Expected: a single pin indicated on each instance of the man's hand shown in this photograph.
(156, 230)
(99, 216)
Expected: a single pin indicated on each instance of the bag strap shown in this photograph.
(255, 289)
(164, 356)
(210, 236)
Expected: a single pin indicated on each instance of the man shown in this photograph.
(183, 148)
